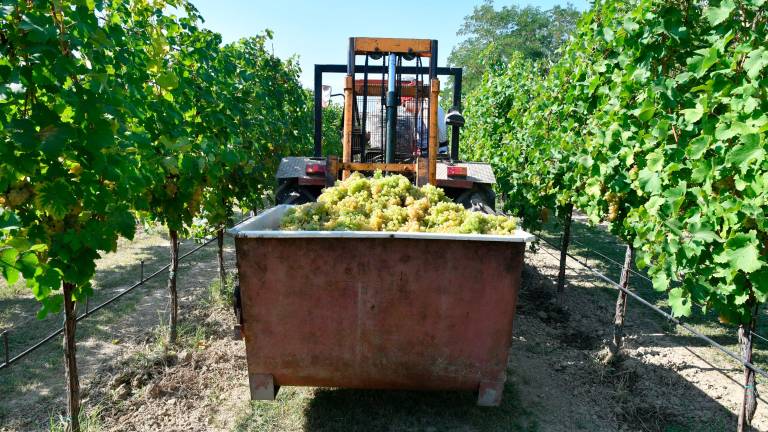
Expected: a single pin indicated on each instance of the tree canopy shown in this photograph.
(493, 35)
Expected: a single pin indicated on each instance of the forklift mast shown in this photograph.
(390, 124)
(380, 131)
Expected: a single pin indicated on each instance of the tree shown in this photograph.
(492, 36)
(658, 109)
(68, 171)
(255, 125)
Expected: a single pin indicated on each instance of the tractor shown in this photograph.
(392, 122)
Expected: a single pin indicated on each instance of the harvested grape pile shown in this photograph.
(390, 203)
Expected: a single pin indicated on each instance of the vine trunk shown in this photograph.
(70, 360)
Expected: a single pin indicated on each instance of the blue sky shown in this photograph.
(318, 31)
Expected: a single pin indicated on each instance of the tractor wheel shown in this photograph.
(480, 198)
(291, 193)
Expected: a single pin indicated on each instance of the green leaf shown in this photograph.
(741, 253)
(697, 146)
(50, 304)
(702, 63)
(660, 282)
(692, 115)
(680, 302)
(649, 181)
(716, 15)
(608, 34)
(101, 135)
(55, 198)
(47, 281)
(755, 62)
(28, 264)
(171, 164)
(629, 25)
(8, 256)
(742, 155)
(706, 236)
(168, 80)
(8, 219)
(759, 281)
(645, 113)
(655, 161)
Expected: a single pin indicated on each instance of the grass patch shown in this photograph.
(89, 421)
(221, 295)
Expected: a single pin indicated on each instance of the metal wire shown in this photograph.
(640, 275)
(761, 337)
(88, 313)
(659, 311)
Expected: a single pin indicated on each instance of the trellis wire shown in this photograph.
(9, 361)
(658, 310)
(635, 272)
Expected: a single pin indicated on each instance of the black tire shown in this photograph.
(480, 198)
(290, 192)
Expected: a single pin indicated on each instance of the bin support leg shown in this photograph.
(489, 393)
(262, 386)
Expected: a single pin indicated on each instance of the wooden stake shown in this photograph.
(174, 298)
(564, 248)
(222, 271)
(70, 360)
(621, 304)
(749, 401)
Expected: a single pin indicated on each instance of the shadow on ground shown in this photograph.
(369, 410)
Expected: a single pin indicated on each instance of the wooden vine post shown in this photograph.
(749, 400)
(621, 305)
(220, 254)
(174, 297)
(566, 240)
(70, 359)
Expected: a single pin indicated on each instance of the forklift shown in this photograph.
(392, 123)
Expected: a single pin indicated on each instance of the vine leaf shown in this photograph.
(698, 146)
(755, 62)
(759, 281)
(744, 155)
(716, 15)
(55, 198)
(649, 181)
(741, 252)
(679, 302)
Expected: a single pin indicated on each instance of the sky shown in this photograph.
(318, 31)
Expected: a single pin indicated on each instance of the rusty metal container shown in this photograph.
(377, 310)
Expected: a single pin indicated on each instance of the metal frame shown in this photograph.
(321, 69)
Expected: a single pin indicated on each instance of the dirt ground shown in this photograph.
(557, 380)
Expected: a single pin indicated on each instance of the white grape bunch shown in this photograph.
(390, 203)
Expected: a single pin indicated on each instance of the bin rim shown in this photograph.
(266, 224)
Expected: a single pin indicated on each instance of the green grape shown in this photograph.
(390, 203)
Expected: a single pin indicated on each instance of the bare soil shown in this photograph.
(557, 377)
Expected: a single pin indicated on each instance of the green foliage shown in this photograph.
(332, 129)
(656, 121)
(113, 108)
(66, 178)
(494, 36)
(261, 114)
